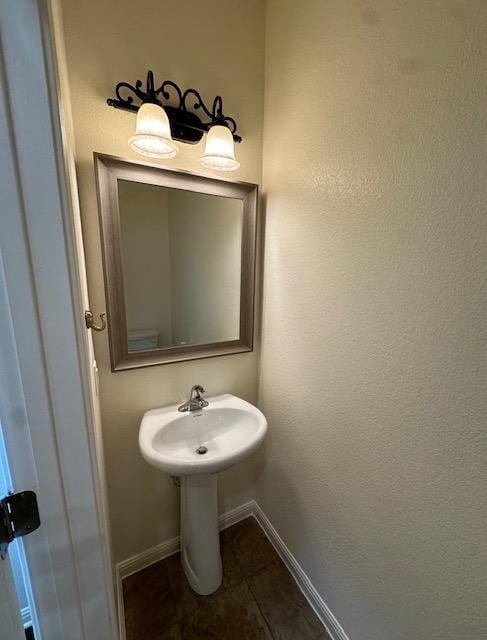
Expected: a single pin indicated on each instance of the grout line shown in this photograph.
(295, 585)
(269, 628)
(245, 579)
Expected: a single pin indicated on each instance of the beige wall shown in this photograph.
(108, 41)
(374, 343)
(373, 360)
(206, 254)
(144, 228)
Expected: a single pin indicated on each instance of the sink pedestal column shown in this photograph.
(200, 540)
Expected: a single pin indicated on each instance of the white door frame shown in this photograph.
(46, 398)
(53, 15)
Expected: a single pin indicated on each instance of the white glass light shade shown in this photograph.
(219, 150)
(152, 133)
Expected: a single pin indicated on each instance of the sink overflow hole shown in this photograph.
(201, 450)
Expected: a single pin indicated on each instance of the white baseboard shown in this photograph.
(146, 558)
(251, 508)
(236, 515)
(317, 603)
(166, 549)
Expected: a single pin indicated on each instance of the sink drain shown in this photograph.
(201, 450)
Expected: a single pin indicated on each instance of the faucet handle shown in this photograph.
(196, 400)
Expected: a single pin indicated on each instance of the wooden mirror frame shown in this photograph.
(110, 169)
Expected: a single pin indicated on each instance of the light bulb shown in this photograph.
(152, 133)
(219, 150)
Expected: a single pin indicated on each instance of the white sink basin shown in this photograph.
(224, 432)
(228, 430)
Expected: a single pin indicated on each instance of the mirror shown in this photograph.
(179, 260)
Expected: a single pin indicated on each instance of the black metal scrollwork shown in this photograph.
(180, 107)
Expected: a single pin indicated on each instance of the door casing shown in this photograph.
(47, 405)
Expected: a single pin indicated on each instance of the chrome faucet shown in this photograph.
(196, 401)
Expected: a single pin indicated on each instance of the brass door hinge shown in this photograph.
(90, 321)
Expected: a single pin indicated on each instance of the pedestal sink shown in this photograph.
(195, 446)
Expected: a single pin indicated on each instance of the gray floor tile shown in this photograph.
(149, 606)
(287, 611)
(251, 548)
(232, 615)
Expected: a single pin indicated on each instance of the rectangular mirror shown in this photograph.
(179, 262)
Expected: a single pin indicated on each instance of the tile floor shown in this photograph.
(258, 599)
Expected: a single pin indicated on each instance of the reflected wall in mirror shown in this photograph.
(179, 260)
(181, 256)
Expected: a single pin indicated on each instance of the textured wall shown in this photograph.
(205, 240)
(207, 47)
(374, 345)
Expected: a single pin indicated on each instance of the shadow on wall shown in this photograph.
(239, 476)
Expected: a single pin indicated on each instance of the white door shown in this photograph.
(46, 400)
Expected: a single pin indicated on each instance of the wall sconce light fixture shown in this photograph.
(164, 115)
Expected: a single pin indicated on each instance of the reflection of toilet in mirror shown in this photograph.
(143, 339)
